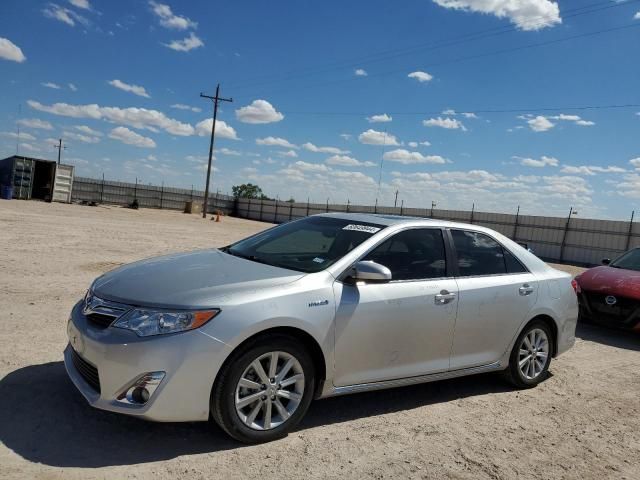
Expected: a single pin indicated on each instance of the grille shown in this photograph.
(620, 312)
(100, 320)
(86, 370)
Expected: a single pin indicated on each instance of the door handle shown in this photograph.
(444, 297)
(525, 290)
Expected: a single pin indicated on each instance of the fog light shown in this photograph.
(142, 389)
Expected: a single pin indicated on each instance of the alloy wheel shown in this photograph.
(269, 390)
(533, 354)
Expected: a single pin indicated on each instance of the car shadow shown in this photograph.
(44, 419)
(609, 336)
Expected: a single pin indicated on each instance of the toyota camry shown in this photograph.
(249, 334)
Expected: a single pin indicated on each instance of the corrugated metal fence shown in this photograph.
(578, 241)
(149, 196)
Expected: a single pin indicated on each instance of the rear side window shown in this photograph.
(412, 254)
(479, 254)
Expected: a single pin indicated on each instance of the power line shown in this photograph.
(467, 58)
(395, 53)
(476, 110)
(216, 99)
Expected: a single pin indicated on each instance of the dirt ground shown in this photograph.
(582, 422)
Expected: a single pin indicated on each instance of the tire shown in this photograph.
(531, 373)
(242, 410)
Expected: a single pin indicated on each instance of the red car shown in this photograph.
(610, 294)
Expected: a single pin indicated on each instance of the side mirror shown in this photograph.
(368, 271)
(606, 261)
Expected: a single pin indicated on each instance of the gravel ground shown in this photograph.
(583, 422)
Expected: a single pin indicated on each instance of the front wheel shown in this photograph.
(531, 356)
(264, 390)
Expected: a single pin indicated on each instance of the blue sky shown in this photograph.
(453, 101)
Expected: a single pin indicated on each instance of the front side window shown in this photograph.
(479, 254)
(308, 245)
(412, 254)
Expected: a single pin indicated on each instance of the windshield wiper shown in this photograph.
(252, 258)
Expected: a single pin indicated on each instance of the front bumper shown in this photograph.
(190, 361)
(626, 317)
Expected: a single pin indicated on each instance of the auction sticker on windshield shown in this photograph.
(362, 228)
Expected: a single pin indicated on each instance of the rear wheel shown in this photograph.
(264, 390)
(531, 356)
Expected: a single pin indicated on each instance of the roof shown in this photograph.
(388, 220)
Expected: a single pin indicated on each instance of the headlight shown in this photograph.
(146, 322)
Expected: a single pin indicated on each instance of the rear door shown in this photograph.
(62, 184)
(496, 292)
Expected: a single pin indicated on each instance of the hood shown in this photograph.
(611, 281)
(188, 280)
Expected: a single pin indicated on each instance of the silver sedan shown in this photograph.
(331, 304)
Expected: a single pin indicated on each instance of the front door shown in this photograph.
(402, 328)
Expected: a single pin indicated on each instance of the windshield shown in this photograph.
(628, 261)
(308, 245)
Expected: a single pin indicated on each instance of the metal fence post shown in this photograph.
(630, 231)
(307, 206)
(473, 208)
(401, 207)
(135, 190)
(348, 202)
(275, 216)
(290, 210)
(261, 207)
(249, 209)
(375, 207)
(564, 236)
(327, 205)
(102, 189)
(515, 225)
(161, 194)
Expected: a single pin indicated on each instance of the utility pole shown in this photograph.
(60, 148)
(215, 100)
(395, 202)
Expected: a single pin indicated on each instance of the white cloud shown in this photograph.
(346, 161)
(134, 117)
(35, 123)
(469, 115)
(10, 51)
(260, 111)
(223, 130)
(84, 4)
(228, 151)
(135, 89)
(413, 144)
(331, 150)
(182, 106)
(447, 123)
(64, 15)
(637, 15)
(591, 169)
(80, 137)
(288, 153)
(573, 118)
(585, 123)
(373, 137)
(406, 157)
(55, 86)
(30, 148)
(525, 14)
(275, 142)
(311, 167)
(635, 162)
(540, 124)
(72, 87)
(88, 130)
(360, 72)
(345, 136)
(425, 143)
(130, 137)
(630, 187)
(170, 20)
(421, 76)
(186, 44)
(544, 161)
(383, 118)
(22, 136)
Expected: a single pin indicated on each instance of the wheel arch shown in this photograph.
(317, 355)
(553, 326)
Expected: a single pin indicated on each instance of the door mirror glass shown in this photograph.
(368, 271)
(606, 261)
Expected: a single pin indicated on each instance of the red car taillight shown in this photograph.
(575, 285)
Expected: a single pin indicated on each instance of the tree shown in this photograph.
(247, 190)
